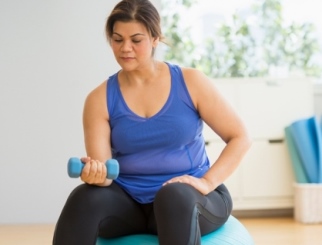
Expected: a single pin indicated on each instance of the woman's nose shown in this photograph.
(127, 46)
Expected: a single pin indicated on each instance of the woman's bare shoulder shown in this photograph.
(196, 79)
(95, 101)
(98, 91)
(197, 83)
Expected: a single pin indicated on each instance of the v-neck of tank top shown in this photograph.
(163, 108)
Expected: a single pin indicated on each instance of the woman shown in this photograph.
(149, 117)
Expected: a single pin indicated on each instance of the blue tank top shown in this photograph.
(152, 150)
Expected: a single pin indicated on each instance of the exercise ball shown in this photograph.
(231, 233)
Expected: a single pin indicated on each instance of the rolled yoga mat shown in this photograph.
(308, 141)
(298, 168)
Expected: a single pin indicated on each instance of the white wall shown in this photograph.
(318, 100)
(52, 53)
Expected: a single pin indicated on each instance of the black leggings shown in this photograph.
(179, 214)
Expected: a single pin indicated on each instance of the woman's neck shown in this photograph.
(143, 76)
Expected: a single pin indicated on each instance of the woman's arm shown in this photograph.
(223, 120)
(97, 137)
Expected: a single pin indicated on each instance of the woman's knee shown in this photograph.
(84, 197)
(177, 196)
(225, 196)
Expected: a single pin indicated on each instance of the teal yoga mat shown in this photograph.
(308, 141)
(298, 168)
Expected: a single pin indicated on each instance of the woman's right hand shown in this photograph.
(94, 172)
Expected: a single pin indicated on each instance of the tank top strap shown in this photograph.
(111, 93)
(179, 85)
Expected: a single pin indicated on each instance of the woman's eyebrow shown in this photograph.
(134, 35)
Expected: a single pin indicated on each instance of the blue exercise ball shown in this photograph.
(231, 233)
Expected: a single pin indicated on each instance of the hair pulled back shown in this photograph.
(142, 11)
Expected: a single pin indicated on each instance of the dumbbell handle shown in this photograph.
(75, 167)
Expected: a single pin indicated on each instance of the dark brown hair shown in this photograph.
(142, 11)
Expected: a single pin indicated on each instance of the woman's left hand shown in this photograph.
(201, 184)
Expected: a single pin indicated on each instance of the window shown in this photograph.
(245, 38)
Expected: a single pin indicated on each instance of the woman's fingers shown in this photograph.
(198, 183)
(100, 172)
(94, 172)
(181, 179)
(85, 159)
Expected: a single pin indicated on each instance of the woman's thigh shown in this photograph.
(91, 210)
(183, 214)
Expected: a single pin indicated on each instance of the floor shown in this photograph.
(283, 231)
(265, 231)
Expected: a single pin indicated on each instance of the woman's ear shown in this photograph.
(155, 42)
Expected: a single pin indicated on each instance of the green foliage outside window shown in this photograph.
(240, 49)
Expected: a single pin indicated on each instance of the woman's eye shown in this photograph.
(136, 41)
(118, 40)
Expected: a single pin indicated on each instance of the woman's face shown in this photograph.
(132, 45)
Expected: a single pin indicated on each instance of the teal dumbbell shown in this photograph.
(75, 167)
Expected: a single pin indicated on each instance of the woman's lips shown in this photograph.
(127, 58)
